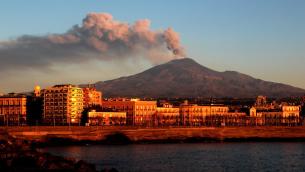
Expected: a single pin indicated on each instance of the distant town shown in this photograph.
(69, 105)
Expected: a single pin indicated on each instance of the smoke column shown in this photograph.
(100, 37)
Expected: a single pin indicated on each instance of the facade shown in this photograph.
(63, 104)
(138, 112)
(92, 97)
(107, 118)
(291, 111)
(167, 116)
(13, 109)
(195, 115)
(226, 119)
(287, 115)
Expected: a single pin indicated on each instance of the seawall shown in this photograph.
(44, 134)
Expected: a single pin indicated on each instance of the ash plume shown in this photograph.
(99, 37)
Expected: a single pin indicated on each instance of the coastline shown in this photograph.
(21, 143)
(75, 135)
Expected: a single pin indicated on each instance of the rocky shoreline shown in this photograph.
(21, 155)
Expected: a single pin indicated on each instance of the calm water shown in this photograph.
(192, 157)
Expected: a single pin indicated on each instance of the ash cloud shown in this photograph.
(99, 37)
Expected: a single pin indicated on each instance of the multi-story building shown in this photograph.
(63, 104)
(167, 116)
(287, 115)
(13, 109)
(195, 115)
(138, 112)
(92, 97)
(107, 118)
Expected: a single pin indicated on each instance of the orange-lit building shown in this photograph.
(138, 112)
(63, 104)
(13, 109)
(287, 115)
(167, 116)
(195, 115)
(107, 118)
(91, 97)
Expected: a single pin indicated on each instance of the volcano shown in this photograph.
(185, 78)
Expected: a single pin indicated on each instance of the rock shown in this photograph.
(117, 138)
(82, 166)
(20, 155)
(110, 170)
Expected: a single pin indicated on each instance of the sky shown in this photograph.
(264, 39)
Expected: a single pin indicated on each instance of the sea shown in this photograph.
(182, 157)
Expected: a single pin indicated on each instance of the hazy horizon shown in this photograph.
(39, 46)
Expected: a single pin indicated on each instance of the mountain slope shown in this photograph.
(187, 78)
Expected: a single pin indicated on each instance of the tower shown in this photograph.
(37, 91)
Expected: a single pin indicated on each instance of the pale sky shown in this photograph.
(264, 39)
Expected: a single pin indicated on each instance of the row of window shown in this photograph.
(7, 102)
(291, 109)
(11, 112)
(204, 110)
(63, 104)
(168, 110)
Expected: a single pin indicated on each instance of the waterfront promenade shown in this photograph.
(172, 134)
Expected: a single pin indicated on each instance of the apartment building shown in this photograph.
(13, 109)
(63, 104)
(138, 112)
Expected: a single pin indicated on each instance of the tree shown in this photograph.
(34, 110)
(303, 110)
(84, 118)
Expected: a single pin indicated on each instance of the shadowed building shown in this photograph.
(63, 104)
(35, 107)
(138, 112)
(13, 109)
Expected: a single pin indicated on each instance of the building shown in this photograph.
(92, 97)
(63, 104)
(107, 118)
(287, 115)
(291, 111)
(167, 116)
(13, 109)
(138, 112)
(261, 101)
(34, 114)
(195, 115)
